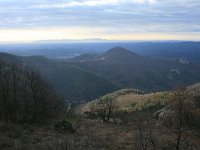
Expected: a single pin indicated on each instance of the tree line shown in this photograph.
(24, 96)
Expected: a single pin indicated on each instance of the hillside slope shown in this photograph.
(130, 70)
(130, 100)
(195, 88)
(171, 50)
(73, 83)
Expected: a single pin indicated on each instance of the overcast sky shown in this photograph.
(28, 20)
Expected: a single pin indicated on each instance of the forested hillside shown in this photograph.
(131, 70)
(71, 82)
(24, 96)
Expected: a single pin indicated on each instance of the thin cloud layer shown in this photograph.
(110, 16)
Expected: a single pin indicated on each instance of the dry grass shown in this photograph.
(89, 135)
(195, 88)
(135, 102)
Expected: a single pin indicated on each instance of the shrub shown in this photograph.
(64, 126)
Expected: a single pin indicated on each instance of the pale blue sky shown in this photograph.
(111, 19)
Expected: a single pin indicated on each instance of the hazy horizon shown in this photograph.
(34, 20)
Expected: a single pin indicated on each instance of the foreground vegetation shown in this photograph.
(32, 117)
(166, 120)
(140, 129)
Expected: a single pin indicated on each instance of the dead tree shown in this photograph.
(182, 108)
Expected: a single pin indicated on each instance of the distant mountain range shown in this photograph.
(128, 69)
(68, 49)
(90, 75)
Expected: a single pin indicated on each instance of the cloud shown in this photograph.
(90, 3)
(78, 3)
(113, 16)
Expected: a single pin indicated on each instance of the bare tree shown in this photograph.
(24, 96)
(104, 107)
(145, 136)
(182, 108)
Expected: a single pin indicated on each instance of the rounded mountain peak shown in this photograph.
(120, 53)
(118, 50)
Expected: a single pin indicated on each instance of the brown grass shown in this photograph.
(133, 101)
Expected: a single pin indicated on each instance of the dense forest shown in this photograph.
(24, 97)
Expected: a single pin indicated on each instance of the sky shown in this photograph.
(32, 20)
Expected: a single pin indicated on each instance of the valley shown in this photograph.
(92, 100)
(93, 75)
(99, 75)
